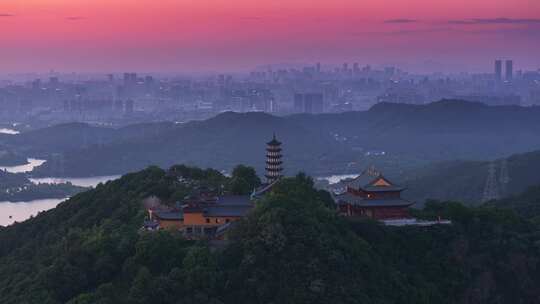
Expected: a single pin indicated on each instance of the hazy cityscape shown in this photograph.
(126, 98)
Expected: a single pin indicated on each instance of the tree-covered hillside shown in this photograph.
(526, 204)
(465, 180)
(292, 248)
(409, 136)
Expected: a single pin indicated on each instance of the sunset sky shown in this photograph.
(206, 35)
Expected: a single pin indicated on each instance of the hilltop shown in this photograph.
(292, 248)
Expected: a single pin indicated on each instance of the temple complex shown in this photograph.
(209, 215)
(373, 195)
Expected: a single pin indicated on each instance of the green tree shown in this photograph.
(244, 180)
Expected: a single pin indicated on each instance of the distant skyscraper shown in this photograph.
(498, 69)
(312, 103)
(356, 67)
(509, 69)
(129, 107)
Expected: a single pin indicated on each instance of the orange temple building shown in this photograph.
(373, 195)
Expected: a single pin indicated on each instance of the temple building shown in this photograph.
(208, 215)
(373, 195)
(203, 217)
(273, 161)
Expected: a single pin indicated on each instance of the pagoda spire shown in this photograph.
(273, 160)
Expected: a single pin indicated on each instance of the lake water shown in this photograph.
(11, 212)
(21, 211)
(76, 181)
(8, 131)
(32, 163)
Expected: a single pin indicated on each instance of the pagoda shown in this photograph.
(273, 161)
(373, 195)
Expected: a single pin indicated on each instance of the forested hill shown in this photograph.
(292, 248)
(526, 204)
(410, 135)
(465, 180)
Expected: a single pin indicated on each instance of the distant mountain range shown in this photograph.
(394, 137)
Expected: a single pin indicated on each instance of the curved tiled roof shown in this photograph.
(274, 141)
(169, 215)
(364, 202)
(367, 181)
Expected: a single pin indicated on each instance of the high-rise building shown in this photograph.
(498, 69)
(312, 103)
(299, 103)
(130, 104)
(509, 69)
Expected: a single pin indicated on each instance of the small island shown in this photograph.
(16, 187)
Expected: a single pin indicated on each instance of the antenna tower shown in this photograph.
(491, 190)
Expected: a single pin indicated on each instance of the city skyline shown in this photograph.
(170, 36)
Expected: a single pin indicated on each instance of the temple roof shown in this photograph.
(373, 181)
(364, 202)
(169, 215)
(274, 141)
(219, 211)
(263, 189)
(230, 205)
(234, 200)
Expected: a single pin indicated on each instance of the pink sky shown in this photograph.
(204, 35)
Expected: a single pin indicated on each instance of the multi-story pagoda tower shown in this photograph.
(273, 160)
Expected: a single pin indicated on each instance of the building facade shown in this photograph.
(202, 217)
(374, 196)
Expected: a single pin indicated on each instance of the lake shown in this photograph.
(32, 163)
(21, 211)
(8, 131)
(24, 210)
